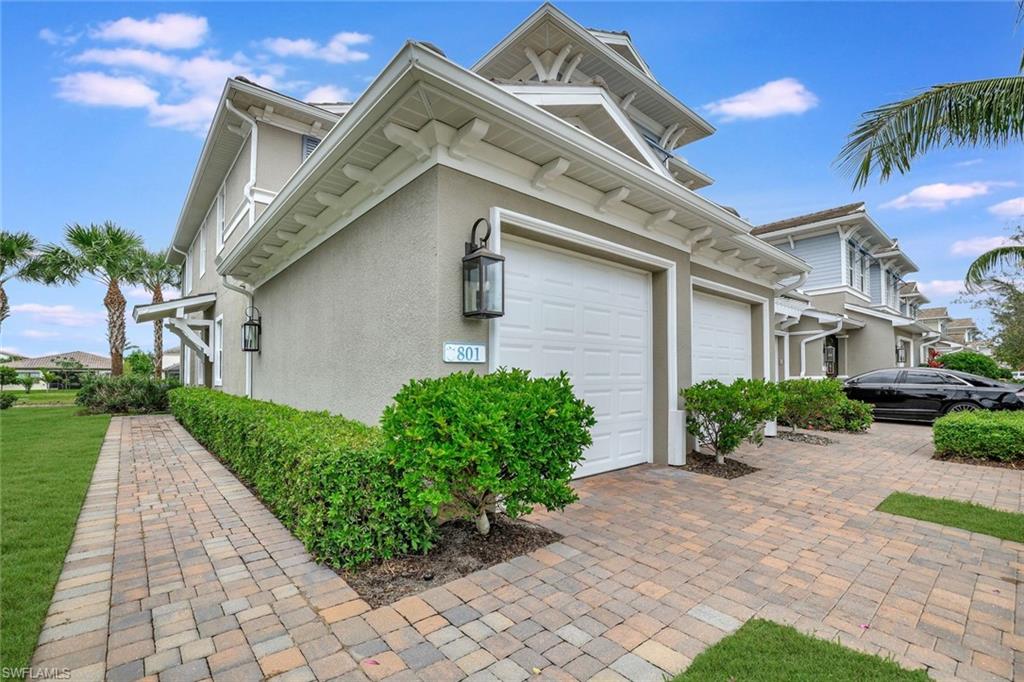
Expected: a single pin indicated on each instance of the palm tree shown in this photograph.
(105, 253)
(17, 261)
(155, 273)
(981, 112)
(1008, 258)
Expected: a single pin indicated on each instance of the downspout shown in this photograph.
(815, 337)
(928, 341)
(251, 185)
(801, 278)
(241, 289)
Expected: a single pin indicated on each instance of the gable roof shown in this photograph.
(88, 360)
(933, 313)
(810, 218)
(961, 323)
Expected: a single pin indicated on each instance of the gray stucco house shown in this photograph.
(345, 225)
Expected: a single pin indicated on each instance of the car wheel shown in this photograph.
(961, 407)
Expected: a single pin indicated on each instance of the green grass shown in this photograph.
(47, 455)
(762, 650)
(965, 515)
(54, 396)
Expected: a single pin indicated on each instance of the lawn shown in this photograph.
(762, 650)
(39, 397)
(47, 455)
(965, 515)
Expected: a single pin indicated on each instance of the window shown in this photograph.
(308, 145)
(927, 378)
(885, 376)
(220, 218)
(188, 270)
(218, 351)
(856, 267)
(202, 250)
(851, 253)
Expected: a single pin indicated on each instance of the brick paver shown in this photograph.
(177, 571)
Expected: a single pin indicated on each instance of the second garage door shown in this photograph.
(721, 339)
(592, 319)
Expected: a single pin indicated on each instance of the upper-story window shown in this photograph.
(856, 267)
(893, 291)
(308, 145)
(189, 259)
(202, 250)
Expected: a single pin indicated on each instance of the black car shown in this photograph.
(926, 393)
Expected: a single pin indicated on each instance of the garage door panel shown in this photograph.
(592, 320)
(721, 339)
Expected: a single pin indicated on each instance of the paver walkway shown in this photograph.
(181, 573)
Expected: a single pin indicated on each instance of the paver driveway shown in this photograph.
(177, 571)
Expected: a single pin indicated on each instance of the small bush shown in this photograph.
(970, 362)
(466, 442)
(7, 399)
(724, 415)
(326, 478)
(822, 404)
(124, 394)
(981, 434)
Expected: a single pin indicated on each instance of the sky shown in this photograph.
(105, 107)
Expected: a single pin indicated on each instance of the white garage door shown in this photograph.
(592, 319)
(721, 339)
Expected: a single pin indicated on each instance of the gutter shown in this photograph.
(241, 289)
(815, 337)
(230, 106)
(785, 289)
(929, 341)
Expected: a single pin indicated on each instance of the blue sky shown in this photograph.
(105, 105)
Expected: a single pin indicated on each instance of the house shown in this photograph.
(337, 234)
(955, 334)
(73, 363)
(171, 365)
(855, 311)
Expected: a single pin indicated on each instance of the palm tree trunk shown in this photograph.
(158, 336)
(5, 308)
(115, 304)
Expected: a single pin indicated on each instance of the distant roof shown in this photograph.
(809, 218)
(961, 322)
(605, 30)
(173, 350)
(88, 360)
(932, 313)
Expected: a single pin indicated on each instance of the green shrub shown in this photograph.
(822, 404)
(7, 399)
(124, 394)
(466, 442)
(327, 478)
(981, 434)
(27, 382)
(724, 415)
(970, 362)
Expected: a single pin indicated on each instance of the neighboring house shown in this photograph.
(855, 312)
(937, 320)
(345, 228)
(171, 364)
(955, 333)
(33, 367)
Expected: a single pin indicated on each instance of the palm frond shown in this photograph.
(16, 250)
(107, 252)
(983, 112)
(988, 264)
(56, 265)
(156, 271)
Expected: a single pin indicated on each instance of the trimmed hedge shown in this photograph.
(129, 393)
(467, 442)
(972, 363)
(724, 415)
(327, 478)
(822, 404)
(981, 434)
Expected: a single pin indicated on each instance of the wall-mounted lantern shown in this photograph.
(251, 330)
(483, 277)
(901, 354)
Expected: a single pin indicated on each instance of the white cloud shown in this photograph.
(774, 98)
(101, 90)
(1011, 208)
(977, 245)
(968, 162)
(146, 60)
(328, 93)
(61, 315)
(167, 31)
(39, 334)
(338, 50)
(941, 287)
(51, 37)
(939, 195)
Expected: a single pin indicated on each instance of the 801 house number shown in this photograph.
(465, 352)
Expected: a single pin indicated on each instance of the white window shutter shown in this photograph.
(308, 145)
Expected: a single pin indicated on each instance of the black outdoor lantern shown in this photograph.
(251, 330)
(901, 354)
(483, 278)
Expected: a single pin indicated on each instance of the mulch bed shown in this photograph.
(459, 551)
(811, 438)
(700, 463)
(979, 462)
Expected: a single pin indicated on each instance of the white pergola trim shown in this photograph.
(178, 307)
(183, 329)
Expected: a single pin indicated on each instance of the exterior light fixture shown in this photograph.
(483, 277)
(251, 330)
(901, 354)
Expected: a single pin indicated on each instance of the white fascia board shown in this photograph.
(230, 86)
(809, 230)
(582, 35)
(154, 311)
(618, 39)
(416, 63)
(897, 320)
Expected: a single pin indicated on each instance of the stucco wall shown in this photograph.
(279, 154)
(872, 347)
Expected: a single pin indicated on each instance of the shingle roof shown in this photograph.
(961, 322)
(909, 288)
(932, 313)
(88, 361)
(808, 218)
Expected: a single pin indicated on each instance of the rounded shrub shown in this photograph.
(981, 434)
(970, 362)
(723, 416)
(468, 443)
(822, 404)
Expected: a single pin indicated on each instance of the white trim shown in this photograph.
(844, 289)
(201, 235)
(218, 350)
(767, 330)
(498, 216)
(186, 365)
